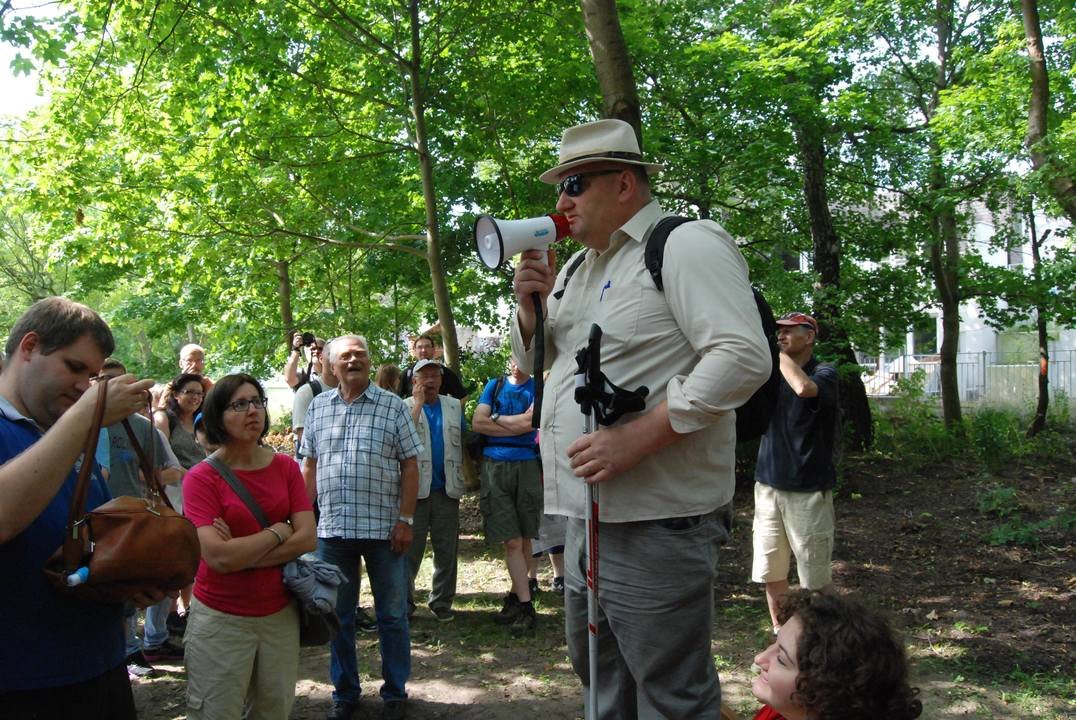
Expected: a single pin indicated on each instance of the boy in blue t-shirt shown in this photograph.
(511, 498)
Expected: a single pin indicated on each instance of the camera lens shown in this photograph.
(308, 338)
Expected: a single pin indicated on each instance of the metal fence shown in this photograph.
(990, 378)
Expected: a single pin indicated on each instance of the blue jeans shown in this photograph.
(388, 575)
(155, 631)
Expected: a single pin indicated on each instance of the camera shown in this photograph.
(308, 339)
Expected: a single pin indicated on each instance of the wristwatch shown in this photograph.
(409, 519)
(495, 417)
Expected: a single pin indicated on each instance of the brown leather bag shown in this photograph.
(129, 545)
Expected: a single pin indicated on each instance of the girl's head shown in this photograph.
(185, 395)
(834, 660)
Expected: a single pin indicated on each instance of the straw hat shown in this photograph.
(595, 141)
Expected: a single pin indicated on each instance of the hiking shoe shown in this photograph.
(139, 667)
(508, 613)
(342, 710)
(526, 621)
(166, 652)
(558, 586)
(532, 585)
(176, 623)
(443, 614)
(394, 710)
(363, 621)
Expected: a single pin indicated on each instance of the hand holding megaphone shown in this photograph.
(497, 240)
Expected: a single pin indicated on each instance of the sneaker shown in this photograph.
(394, 710)
(508, 613)
(558, 585)
(176, 623)
(342, 710)
(363, 621)
(139, 667)
(532, 585)
(526, 621)
(443, 614)
(164, 653)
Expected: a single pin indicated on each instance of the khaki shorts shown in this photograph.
(511, 499)
(793, 523)
(236, 663)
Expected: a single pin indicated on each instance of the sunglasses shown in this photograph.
(576, 185)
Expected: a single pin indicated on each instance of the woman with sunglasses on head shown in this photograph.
(181, 400)
(242, 639)
(833, 659)
(176, 421)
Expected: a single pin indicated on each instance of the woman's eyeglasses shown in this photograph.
(241, 406)
(576, 185)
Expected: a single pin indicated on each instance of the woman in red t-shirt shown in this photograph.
(833, 660)
(242, 640)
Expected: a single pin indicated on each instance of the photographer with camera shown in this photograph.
(295, 377)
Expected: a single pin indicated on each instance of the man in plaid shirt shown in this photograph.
(360, 450)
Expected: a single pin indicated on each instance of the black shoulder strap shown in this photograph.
(572, 267)
(239, 488)
(497, 386)
(315, 388)
(654, 255)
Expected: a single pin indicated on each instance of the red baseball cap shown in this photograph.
(799, 318)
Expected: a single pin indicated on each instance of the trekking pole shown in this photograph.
(602, 403)
(590, 376)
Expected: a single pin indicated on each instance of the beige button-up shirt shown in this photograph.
(699, 345)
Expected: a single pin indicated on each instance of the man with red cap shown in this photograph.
(795, 474)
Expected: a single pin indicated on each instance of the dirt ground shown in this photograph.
(990, 629)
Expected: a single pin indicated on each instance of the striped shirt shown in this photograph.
(359, 447)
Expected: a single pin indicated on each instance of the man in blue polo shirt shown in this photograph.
(511, 497)
(59, 656)
(795, 473)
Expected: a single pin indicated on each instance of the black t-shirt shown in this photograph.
(450, 383)
(797, 450)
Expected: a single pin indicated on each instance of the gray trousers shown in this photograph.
(439, 517)
(655, 616)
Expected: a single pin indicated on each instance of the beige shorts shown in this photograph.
(237, 664)
(793, 523)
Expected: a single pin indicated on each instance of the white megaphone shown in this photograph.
(498, 240)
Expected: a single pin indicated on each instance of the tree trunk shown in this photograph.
(612, 65)
(827, 264)
(433, 235)
(287, 319)
(944, 245)
(1039, 421)
(1037, 141)
(944, 253)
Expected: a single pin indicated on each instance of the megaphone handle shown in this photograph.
(539, 360)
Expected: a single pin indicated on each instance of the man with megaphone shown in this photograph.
(665, 471)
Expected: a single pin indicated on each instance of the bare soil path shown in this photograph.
(990, 629)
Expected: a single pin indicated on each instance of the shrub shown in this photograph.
(997, 436)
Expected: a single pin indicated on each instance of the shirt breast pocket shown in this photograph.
(618, 313)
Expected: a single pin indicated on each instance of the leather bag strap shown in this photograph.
(74, 545)
(239, 488)
(147, 459)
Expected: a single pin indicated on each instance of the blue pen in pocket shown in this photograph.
(608, 284)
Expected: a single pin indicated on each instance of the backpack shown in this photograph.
(753, 417)
(476, 442)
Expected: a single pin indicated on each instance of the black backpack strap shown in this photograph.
(497, 387)
(654, 255)
(239, 488)
(572, 267)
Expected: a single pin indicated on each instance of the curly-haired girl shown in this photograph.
(833, 660)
